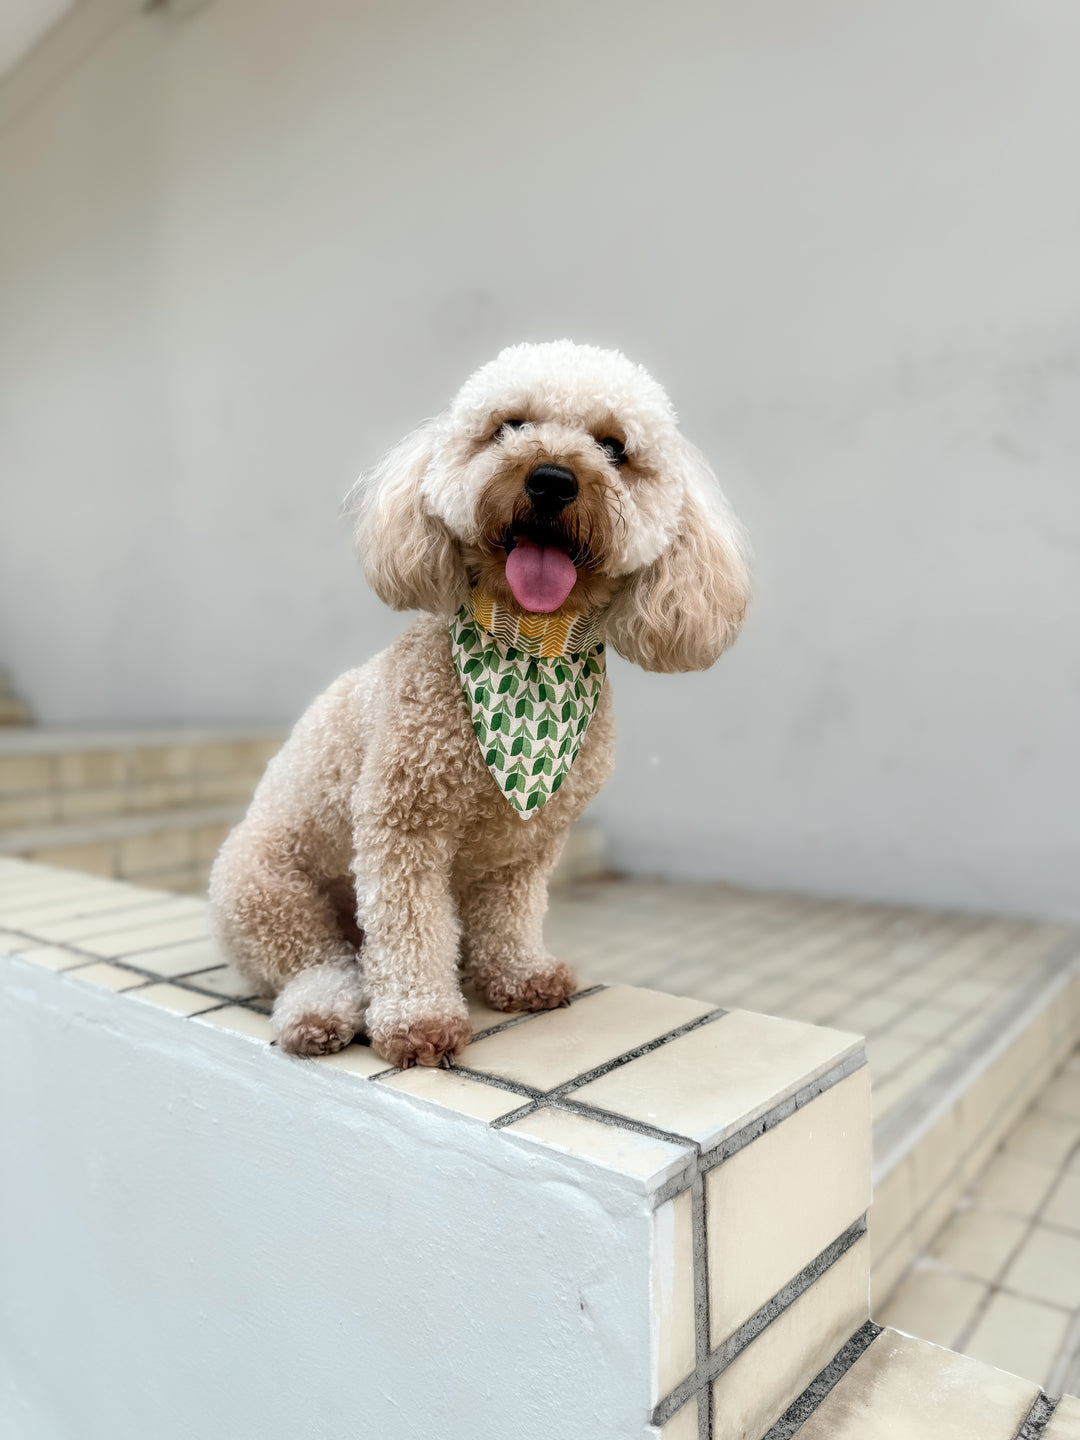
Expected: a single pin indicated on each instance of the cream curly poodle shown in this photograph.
(404, 835)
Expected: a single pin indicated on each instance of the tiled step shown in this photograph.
(666, 1200)
(900, 1388)
(149, 805)
(169, 849)
(695, 1178)
(50, 777)
(1001, 1280)
(966, 1016)
(154, 805)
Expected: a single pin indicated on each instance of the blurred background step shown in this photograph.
(150, 805)
(154, 805)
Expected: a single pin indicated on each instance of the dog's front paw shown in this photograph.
(541, 989)
(427, 1040)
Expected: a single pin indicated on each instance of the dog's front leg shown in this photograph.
(502, 917)
(416, 1013)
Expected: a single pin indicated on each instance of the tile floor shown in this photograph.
(742, 1130)
(918, 984)
(1001, 1281)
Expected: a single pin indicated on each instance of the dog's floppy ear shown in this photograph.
(410, 558)
(685, 609)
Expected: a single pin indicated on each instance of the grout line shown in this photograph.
(800, 1410)
(620, 1122)
(502, 1121)
(718, 1360)
(1058, 1380)
(702, 1331)
(528, 1092)
(513, 1020)
(635, 1054)
(1037, 1418)
(786, 1108)
(726, 1352)
(997, 1283)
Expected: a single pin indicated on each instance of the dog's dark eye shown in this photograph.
(616, 450)
(509, 425)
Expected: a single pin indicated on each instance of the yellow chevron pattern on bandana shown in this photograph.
(545, 635)
(530, 707)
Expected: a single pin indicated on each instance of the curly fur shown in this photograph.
(381, 791)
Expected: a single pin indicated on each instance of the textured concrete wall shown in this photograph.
(243, 252)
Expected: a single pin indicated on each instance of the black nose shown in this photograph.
(551, 488)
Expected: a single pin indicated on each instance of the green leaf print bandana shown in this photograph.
(530, 696)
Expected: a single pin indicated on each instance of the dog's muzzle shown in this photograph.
(551, 488)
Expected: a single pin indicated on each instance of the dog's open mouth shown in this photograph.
(540, 576)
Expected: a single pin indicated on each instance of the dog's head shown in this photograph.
(558, 478)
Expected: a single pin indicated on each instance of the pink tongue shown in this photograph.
(541, 576)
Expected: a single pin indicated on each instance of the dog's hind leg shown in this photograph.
(319, 1010)
(283, 930)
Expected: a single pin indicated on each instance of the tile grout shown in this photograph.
(804, 1405)
(1037, 1418)
(717, 1359)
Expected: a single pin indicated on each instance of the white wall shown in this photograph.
(242, 253)
(212, 1240)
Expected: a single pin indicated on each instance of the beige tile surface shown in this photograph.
(225, 980)
(892, 1208)
(111, 977)
(13, 943)
(481, 1015)
(714, 1080)
(1061, 1097)
(244, 1022)
(109, 899)
(935, 1305)
(936, 1157)
(13, 905)
(52, 957)
(1013, 1184)
(1065, 1421)
(172, 997)
(123, 916)
(684, 1424)
(762, 1380)
(888, 1268)
(118, 943)
(1020, 1335)
(560, 1044)
(1063, 1207)
(185, 959)
(672, 1286)
(1044, 1138)
(907, 1389)
(759, 1238)
(1048, 1268)
(641, 1156)
(358, 1060)
(456, 1092)
(978, 1243)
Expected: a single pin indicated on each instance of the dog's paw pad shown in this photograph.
(315, 1034)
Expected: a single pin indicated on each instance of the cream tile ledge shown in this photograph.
(639, 1216)
(644, 1190)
